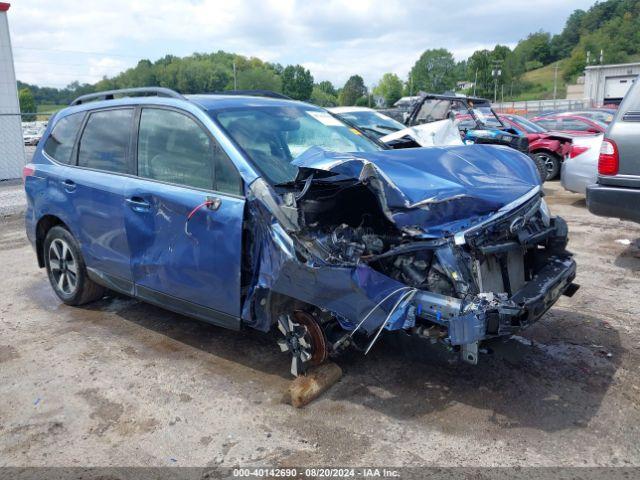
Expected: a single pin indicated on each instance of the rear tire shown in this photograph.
(550, 162)
(66, 269)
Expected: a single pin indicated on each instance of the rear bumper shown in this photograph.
(618, 202)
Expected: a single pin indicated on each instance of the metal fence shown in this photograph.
(532, 107)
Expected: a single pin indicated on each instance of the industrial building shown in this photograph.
(607, 84)
(12, 156)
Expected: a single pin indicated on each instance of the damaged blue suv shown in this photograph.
(261, 212)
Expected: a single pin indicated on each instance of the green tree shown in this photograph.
(327, 87)
(27, 105)
(389, 88)
(297, 82)
(323, 99)
(353, 89)
(434, 72)
(259, 79)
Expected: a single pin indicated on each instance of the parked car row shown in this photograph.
(438, 120)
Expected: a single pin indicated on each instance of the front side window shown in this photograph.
(60, 143)
(529, 126)
(549, 124)
(105, 141)
(272, 137)
(173, 148)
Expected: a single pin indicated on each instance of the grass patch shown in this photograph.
(46, 109)
(541, 80)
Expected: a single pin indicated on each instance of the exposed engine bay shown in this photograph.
(374, 258)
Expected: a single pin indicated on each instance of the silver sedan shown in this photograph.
(580, 167)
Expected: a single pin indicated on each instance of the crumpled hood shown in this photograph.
(435, 190)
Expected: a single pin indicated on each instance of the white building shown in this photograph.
(12, 157)
(607, 84)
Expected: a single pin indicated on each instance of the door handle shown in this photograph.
(138, 204)
(69, 185)
(213, 203)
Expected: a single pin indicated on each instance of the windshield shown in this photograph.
(486, 116)
(529, 126)
(372, 121)
(274, 136)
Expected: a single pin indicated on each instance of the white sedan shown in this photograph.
(387, 130)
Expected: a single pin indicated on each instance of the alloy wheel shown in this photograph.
(63, 266)
(303, 339)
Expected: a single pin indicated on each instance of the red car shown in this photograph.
(573, 124)
(549, 147)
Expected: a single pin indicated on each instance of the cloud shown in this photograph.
(58, 42)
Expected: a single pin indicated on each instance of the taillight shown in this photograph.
(577, 150)
(609, 161)
(27, 171)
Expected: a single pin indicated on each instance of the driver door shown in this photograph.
(185, 258)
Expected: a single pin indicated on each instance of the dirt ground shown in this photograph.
(121, 383)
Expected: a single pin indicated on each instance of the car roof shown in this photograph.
(205, 102)
(221, 101)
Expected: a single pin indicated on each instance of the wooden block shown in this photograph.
(304, 389)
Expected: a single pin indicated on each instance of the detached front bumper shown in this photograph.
(491, 315)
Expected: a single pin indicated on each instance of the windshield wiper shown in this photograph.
(387, 127)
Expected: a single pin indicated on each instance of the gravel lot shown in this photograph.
(122, 383)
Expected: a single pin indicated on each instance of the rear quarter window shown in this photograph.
(60, 142)
(104, 144)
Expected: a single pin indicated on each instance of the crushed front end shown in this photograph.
(455, 250)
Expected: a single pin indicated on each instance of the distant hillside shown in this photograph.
(541, 82)
(610, 28)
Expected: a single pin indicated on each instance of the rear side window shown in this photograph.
(105, 141)
(574, 124)
(173, 148)
(60, 143)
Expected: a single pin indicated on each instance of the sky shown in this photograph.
(58, 41)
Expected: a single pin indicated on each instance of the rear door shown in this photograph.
(94, 190)
(184, 218)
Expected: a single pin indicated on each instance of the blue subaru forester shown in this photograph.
(253, 210)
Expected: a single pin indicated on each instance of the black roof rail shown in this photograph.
(255, 93)
(132, 92)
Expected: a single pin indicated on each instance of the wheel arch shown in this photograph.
(546, 150)
(46, 223)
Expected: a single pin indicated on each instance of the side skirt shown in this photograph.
(165, 301)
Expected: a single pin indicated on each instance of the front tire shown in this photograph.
(66, 269)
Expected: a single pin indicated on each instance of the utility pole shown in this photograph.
(475, 83)
(555, 83)
(235, 76)
(496, 73)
